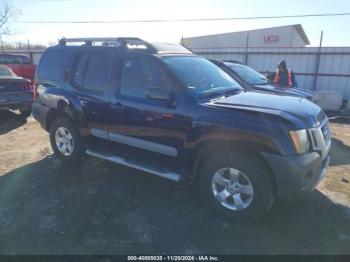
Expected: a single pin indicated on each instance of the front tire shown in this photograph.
(237, 186)
(66, 141)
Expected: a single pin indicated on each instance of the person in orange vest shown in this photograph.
(283, 77)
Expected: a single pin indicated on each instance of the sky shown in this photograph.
(336, 29)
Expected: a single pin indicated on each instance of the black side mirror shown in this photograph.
(158, 93)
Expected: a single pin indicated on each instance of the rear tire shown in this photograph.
(237, 186)
(66, 141)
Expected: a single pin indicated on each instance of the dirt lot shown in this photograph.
(102, 208)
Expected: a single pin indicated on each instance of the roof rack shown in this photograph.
(120, 42)
(233, 61)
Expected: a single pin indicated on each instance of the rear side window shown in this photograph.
(93, 71)
(53, 64)
(98, 71)
(80, 70)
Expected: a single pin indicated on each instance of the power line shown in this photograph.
(181, 20)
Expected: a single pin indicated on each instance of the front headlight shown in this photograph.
(300, 140)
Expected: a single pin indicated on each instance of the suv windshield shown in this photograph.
(248, 74)
(201, 76)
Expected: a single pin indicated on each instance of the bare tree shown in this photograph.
(5, 14)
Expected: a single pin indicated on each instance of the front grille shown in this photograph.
(314, 138)
(321, 137)
(326, 131)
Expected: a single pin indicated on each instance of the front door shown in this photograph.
(153, 128)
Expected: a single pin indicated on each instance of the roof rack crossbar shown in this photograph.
(87, 39)
(123, 42)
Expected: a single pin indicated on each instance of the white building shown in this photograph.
(283, 36)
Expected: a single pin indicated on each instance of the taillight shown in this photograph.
(26, 86)
(34, 89)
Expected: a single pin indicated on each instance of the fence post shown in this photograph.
(246, 50)
(29, 52)
(318, 58)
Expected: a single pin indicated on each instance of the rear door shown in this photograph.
(91, 78)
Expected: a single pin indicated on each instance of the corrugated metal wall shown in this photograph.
(334, 63)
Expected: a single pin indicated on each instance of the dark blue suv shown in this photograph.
(160, 109)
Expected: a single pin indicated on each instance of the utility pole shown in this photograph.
(317, 67)
(30, 53)
(246, 50)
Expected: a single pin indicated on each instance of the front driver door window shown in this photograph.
(140, 74)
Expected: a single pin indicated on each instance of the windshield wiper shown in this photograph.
(259, 84)
(225, 93)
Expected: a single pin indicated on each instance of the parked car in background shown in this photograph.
(16, 93)
(251, 79)
(21, 65)
(160, 109)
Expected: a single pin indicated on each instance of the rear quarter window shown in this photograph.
(53, 64)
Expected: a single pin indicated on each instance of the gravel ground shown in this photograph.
(101, 208)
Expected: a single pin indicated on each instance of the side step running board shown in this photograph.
(120, 160)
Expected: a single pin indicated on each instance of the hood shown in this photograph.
(300, 111)
(294, 91)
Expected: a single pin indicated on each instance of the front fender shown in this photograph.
(230, 136)
(215, 139)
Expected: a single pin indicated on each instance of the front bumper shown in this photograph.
(297, 174)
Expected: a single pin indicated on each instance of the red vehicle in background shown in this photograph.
(21, 65)
(16, 93)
